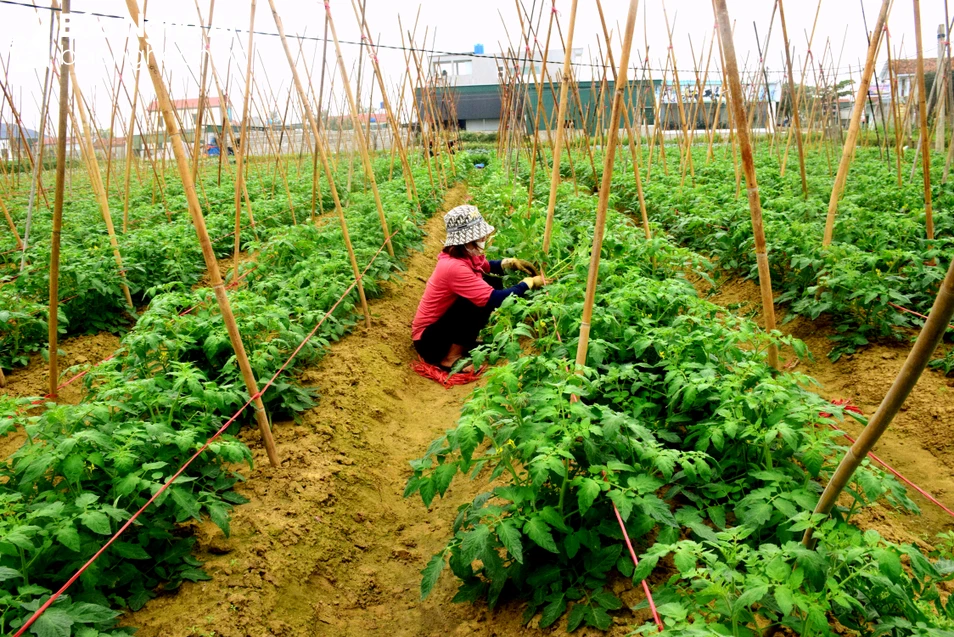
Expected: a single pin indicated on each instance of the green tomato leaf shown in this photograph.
(55, 622)
(785, 599)
(431, 574)
(586, 494)
(97, 522)
(539, 532)
(474, 542)
(510, 538)
(552, 612)
(69, 537)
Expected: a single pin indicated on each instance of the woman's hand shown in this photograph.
(534, 282)
(519, 264)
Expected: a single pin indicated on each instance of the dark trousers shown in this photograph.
(460, 325)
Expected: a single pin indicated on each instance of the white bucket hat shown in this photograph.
(465, 224)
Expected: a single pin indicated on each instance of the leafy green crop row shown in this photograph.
(155, 253)
(174, 381)
(879, 256)
(713, 460)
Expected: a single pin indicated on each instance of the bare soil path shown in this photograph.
(328, 545)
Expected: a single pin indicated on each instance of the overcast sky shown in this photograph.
(450, 25)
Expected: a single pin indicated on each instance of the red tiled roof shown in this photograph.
(910, 66)
(213, 102)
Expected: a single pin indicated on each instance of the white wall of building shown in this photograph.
(482, 125)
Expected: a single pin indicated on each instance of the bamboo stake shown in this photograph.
(86, 145)
(605, 186)
(203, 97)
(526, 32)
(561, 118)
(13, 226)
(687, 156)
(392, 121)
(796, 124)
(430, 118)
(748, 166)
(19, 126)
(629, 128)
(198, 220)
(66, 60)
(884, 122)
(852, 138)
(659, 126)
(896, 111)
(932, 97)
(243, 142)
(112, 115)
(539, 108)
(306, 107)
(358, 132)
(282, 172)
(941, 76)
(414, 100)
(129, 136)
(925, 133)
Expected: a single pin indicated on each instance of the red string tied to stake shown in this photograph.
(632, 555)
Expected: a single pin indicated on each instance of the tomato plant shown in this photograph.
(712, 459)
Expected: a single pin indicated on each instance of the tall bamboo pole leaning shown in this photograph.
(203, 96)
(941, 76)
(796, 124)
(685, 157)
(925, 133)
(539, 107)
(392, 120)
(606, 184)
(323, 156)
(561, 116)
(931, 334)
(13, 226)
(198, 220)
(23, 141)
(243, 140)
(748, 166)
(629, 127)
(855, 124)
(96, 180)
(358, 132)
(931, 99)
(37, 168)
(129, 134)
(315, 190)
(66, 59)
(896, 109)
(115, 105)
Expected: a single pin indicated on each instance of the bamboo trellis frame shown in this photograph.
(748, 166)
(198, 221)
(853, 129)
